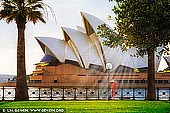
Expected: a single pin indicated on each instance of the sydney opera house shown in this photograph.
(80, 60)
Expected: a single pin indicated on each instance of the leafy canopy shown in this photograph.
(30, 10)
(144, 24)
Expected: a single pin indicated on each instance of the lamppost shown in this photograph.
(108, 68)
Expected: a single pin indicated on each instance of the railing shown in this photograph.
(83, 93)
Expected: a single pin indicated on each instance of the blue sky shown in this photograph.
(67, 14)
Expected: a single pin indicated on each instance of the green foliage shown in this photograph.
(144, 24)
(29, 10)
(111, 38)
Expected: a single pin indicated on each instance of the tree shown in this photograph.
(22, 11)
(143, 24)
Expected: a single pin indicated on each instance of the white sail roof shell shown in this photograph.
(54, 45)
(118, 57)
(88, 49)
(163, 64)
(69, 54)
(93, 21)
(58, 47)
(113, 55)
(83, 47)
(81, 29)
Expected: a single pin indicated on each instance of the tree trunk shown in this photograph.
(21, 83)
(151, 75)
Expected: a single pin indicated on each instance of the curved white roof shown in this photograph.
(93, 21)
(58, 47)
(116, 56)
(91, 24)
(55, 45)
(97, 44)
(131, 61)
(81, 29)
(69, 54)
(163, 64)
(79, 40)
(87, 48)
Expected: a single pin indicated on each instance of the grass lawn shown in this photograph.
(95, 106)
